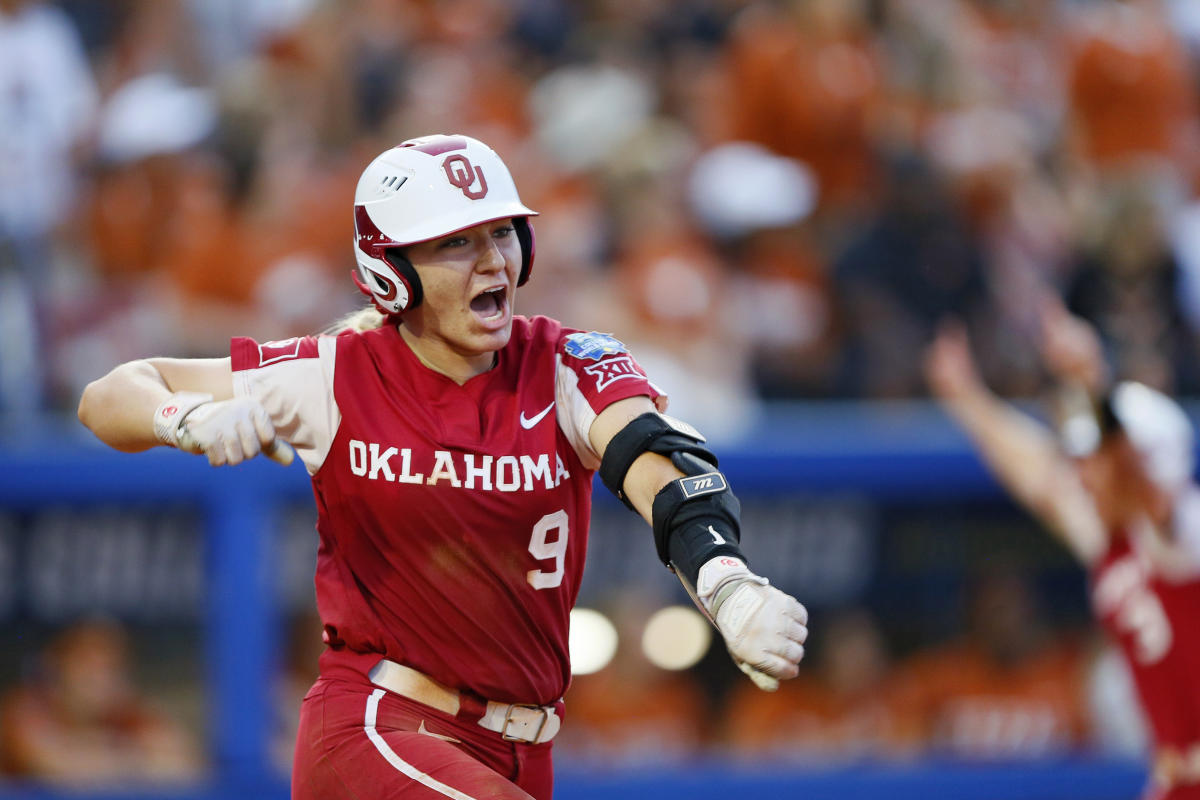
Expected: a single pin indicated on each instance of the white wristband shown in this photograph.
(169, 417)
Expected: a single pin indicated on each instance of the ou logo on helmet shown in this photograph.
(458, 172)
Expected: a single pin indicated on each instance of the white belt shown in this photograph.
(515, 722)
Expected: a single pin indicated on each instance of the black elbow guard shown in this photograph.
(655, 433)
(696, 518)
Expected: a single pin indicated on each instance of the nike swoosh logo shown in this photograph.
(421, 729)
(528, 423)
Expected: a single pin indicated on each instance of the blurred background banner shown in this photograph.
(772, 203)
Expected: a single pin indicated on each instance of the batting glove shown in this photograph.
(763, 627)
(227, 431)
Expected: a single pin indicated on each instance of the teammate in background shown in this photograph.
(1116, 486)
(451, 445)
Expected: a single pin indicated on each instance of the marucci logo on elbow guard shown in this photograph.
(700, 485)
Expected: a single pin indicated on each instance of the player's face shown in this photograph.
(469, 279)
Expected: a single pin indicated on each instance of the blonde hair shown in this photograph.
(364, 319)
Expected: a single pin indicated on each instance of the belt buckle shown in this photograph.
(508, 718)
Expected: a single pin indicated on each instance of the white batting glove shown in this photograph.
(763, 627)
(227, 431)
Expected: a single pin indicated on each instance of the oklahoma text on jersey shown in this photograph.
(506, 473)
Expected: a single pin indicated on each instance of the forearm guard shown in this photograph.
(696, 519)
(652, 433)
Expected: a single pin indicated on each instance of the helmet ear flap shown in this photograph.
(408, 274)
(393, 293)
(524, 230)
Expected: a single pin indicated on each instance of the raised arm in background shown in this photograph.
(1021, 453)
(1071, 349)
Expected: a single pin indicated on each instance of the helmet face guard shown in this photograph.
(421, 190)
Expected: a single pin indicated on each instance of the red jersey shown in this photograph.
(1153, 617)
(453, 519)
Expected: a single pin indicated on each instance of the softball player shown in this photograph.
(451, 445)
(1116, 487)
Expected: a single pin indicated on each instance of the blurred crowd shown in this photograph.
(1009, 688)
(767, 200)
(79, 718)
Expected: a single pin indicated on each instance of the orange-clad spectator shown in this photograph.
(848, 709)
(291, 235)
(680, 318)
(780, 292)
(82, 721)
(804, 80)
(201, 247)
(1132, 94)
(1006, 689)
(123, 212)
(788, 308)
(147, 152)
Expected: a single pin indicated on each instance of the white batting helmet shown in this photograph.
(424, 189)
(1157, 427)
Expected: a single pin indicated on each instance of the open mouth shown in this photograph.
(490, 304)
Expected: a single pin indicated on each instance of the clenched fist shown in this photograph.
(764, 628)
(227, 431)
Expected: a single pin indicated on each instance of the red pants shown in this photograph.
(360, 741)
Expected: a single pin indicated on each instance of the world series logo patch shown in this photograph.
(593, 346)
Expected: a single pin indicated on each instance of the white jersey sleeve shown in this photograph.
(575, 414)
(293, 380)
